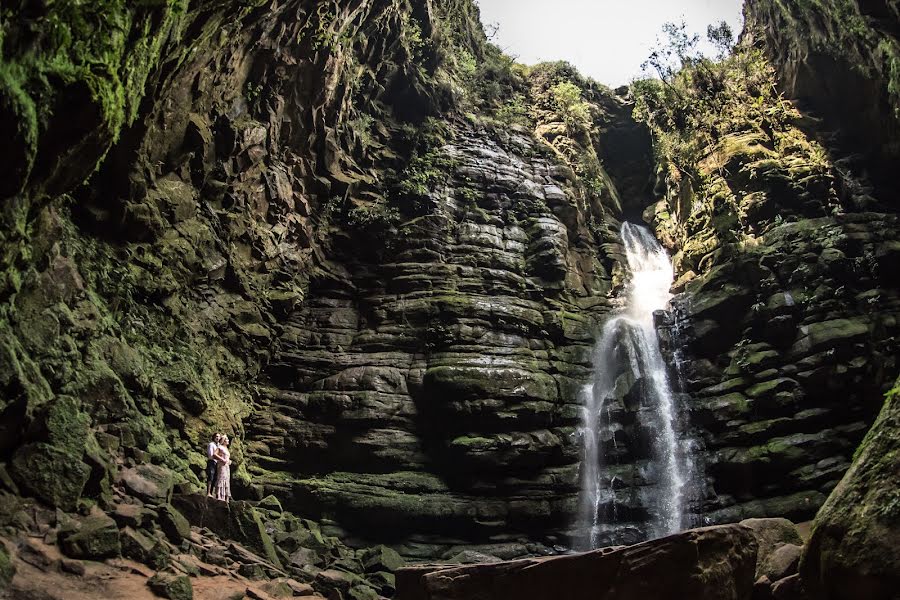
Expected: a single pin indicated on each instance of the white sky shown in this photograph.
(606, 39)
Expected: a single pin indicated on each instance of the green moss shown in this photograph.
(106, 49)
(7, 568)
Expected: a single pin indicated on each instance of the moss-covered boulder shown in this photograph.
(50, 474)
(50, 466)
(239, 521)
(382, 558)
(852, 552)
(94, 537)
(171, 587)
(144, 549)
(149, 482)
(7, 568)
(173, 523)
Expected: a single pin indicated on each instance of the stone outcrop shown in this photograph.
(784, 335)
(838, 60)
(852, 550)
(710, 563)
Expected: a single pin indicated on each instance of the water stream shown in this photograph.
(631, 376)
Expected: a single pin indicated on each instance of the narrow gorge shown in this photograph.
(476, 329)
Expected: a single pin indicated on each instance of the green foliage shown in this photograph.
(362, 127)
(705, 101)
(105, 49)
(721, 37)
(378, 216)
(428, 165)
(574, 110)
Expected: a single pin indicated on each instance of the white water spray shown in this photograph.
(629, 347)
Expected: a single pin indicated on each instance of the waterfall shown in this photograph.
(630, 376)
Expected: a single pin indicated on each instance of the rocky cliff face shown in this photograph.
(365, 243)
(853, 108)
(392, 312)
(785, 334)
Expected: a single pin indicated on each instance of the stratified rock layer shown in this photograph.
(432, 385)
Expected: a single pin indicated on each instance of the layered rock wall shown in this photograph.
(431, 384)
(364, 243)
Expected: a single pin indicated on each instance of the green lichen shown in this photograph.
(105, 49)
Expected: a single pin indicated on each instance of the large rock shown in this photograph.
(173, 524)
(852, 552)
(231, 520)
(50, 474)
(771, 534)
(712, 563)
(382, 558)
(94, 537)
(149, 482)
(50, 467)
(171, 587)
(7, 568)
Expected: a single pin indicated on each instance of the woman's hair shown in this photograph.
(225, 439)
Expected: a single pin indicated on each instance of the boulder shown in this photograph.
(791, 588)
(238, 521)
(7, 568)
(270, 503)
(143, 549)
(701, 564)
(132, 515)
(852, 552)
(172, 587)
(770, 535)
(151, 483)
(50, 474)
(305, 556)
(782, 562)
(382, 558)
(94, 537)
(173, 524)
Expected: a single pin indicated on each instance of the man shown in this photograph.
(212, 467)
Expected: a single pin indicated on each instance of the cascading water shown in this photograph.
(629, 374)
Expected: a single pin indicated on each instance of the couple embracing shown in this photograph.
(218, 468)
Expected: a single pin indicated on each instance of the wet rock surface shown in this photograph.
(440, 385)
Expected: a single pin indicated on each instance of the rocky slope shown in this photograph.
(377, 252)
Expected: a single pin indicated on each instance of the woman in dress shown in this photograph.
(223, 482)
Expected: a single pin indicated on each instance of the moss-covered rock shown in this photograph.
(173, 587)
(138, 546)
(51, 474)
(382, 558)
(239, 521)
(7, 568)
(149, 482)
(94, 537)
(173, 523)
(852, 550)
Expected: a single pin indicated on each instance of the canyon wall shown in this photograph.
(377, 252)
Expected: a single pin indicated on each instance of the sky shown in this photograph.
(606, 39)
